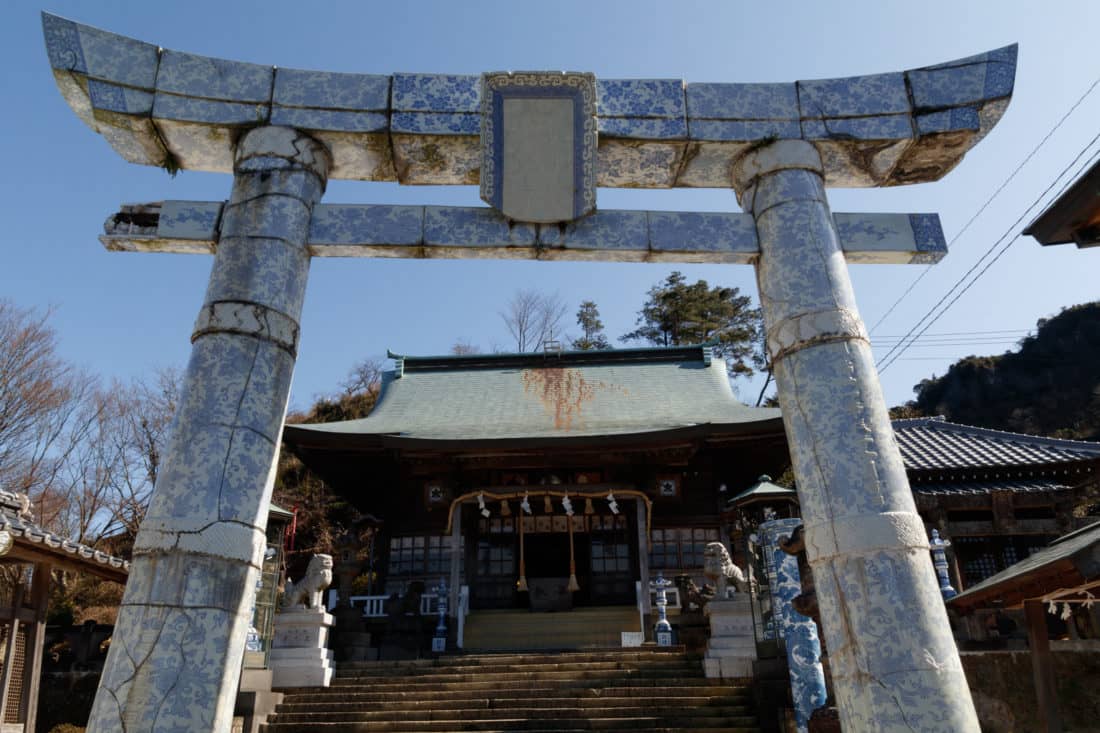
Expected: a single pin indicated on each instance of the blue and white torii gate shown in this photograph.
(539, 144)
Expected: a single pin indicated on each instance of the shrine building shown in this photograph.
(604, 448)
(566, 479)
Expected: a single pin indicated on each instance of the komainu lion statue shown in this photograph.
(309, 591)
(719, 569)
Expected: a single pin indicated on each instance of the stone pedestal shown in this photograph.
(255, 700)
(731, 649)
(354, 646)
(300, 656)
(350, 641)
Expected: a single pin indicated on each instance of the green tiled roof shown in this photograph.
(763, 489)
(554, 395)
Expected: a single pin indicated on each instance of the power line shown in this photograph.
(989, 200)
(932, 344)
(885, 362)
(1036, 360)
(968, 333)
(950, 340)
(1008, 244)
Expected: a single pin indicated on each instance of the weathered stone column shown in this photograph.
(893, 659)
(176, 653)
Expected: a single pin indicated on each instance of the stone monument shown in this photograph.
(300, 656)
(731, 649)
(283, 132)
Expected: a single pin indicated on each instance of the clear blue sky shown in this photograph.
(121, 315)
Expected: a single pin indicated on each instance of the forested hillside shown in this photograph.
(1049, 386)
(323, 515)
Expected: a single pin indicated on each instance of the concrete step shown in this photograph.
(579, 628)
(325, 696)
(640, 655)
(740, 702)
(641, 691)
(731, 715)
(359, 728)
(521, 675)
(366, 670)
(712, 725)
(653, 683)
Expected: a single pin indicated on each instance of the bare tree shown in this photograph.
(533, 318)
(464, 348)
(111, 460)
(356, 398)
(365, 376)
(144, 412)
(40, 400)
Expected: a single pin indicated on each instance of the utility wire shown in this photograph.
(984, 206)
(966, 333)
(886, 361)
(1008, 244)
(931, 344)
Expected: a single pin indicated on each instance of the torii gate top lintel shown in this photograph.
(167, 108)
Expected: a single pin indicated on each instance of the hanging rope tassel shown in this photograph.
(505, 510)
(547, 507)
(573, 584)
(588, 508)
(521, 584)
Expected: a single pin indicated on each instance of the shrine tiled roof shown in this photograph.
(15, 517)
(1062, 570)
(935, 444)
(619, 392)
(1025, 486)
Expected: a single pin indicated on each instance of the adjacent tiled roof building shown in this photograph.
(932, 443)
(35, 542)
(998, 495)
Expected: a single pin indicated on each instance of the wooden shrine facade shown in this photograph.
(550, 471)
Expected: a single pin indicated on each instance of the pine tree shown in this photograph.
(588, 318)
(679, 313)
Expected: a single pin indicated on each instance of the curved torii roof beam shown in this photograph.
(166, 108)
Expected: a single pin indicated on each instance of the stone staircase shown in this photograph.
(643, 691)
(581, 628)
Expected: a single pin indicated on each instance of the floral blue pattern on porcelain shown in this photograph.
(848, 118)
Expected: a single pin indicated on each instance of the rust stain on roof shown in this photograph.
(563, 393)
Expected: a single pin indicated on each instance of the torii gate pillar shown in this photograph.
(180, 636)
(893, 660)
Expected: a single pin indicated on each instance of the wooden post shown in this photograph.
(643, 553)
(13, 638)
(456, 560)
(1042, 668)
(36, 634)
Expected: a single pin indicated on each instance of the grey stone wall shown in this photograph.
(1004, 693)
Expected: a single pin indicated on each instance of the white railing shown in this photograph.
(463, 609)
(375, 606)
